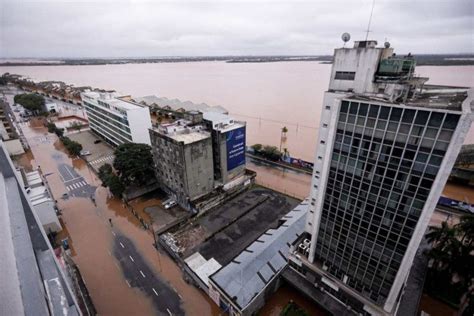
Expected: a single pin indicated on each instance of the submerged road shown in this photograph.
(139, 275)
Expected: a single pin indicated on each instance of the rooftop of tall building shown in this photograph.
(430, 96)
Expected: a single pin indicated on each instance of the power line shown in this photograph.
(296, 124)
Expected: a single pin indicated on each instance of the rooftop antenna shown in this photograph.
(370, 21)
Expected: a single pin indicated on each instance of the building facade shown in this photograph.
(228, 145)
(387, 143)
(115, 119)
(182, 152)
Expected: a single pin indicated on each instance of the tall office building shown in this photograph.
(387, 143)
(116, 119)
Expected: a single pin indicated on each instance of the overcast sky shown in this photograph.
(106, 28)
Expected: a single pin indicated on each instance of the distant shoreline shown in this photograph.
(421, 60)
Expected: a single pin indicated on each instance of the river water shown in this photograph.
(266, 95)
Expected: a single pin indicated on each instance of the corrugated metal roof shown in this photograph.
(248, 274)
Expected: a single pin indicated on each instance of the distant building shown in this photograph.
(8, 132)
(175, 108)
(386, 145)
(115, 119)
(182, 152)
(32, 280)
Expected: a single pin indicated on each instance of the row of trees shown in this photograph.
(74, 148)
(133, 166)
(452, 263)
(31, 101)
(269, 152)
(52, 128)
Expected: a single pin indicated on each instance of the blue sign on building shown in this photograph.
(235, 141)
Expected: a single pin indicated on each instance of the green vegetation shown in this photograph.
(134, 164)
(268, 152)
(450, 277)
(111, 180)
(257, 147)
(53, 129)
(73, 147)
(292, 309)
(30, 101)
(76, 126)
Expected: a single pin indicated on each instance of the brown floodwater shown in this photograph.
(266, 95)
(283, 296)
(90, 238)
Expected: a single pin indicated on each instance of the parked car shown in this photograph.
(85, 153)
(170, 204)
(97, 141)
(166, 201)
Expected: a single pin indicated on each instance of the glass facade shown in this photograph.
(384, 162)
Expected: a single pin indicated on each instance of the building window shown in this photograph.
(323, 142)
(325, 125)
(320, 158)
(328, 107)
(345, 75)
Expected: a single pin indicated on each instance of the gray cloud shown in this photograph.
(188, 28)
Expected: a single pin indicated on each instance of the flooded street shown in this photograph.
(261, 94)
(91, 237)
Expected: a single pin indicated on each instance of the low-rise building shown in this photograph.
(115, 119)
(41, 200)
(8, 132)
(33, 282)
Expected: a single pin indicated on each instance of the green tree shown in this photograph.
(30, 101)
(271, 153)
(60, 132)
(452, 255)
(134, 164)
(51, 127)
(116, 186)
(74, 148)
(257, 147)
(105, 171)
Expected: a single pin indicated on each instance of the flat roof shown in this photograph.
(250, 272)
(190, 137)
(432, 97)
(228, 229)
(222, 121)
(112, 98)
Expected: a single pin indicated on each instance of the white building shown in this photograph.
(51, 107)
(386, 145)
(41, 200)
(115, 119)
